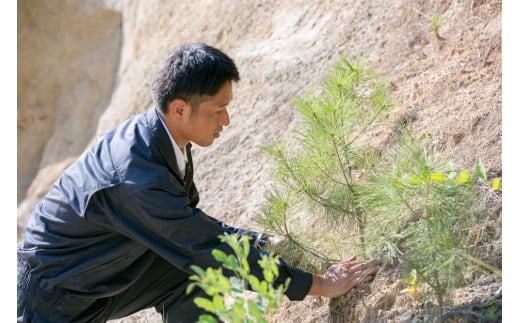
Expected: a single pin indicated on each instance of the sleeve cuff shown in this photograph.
(301, 281)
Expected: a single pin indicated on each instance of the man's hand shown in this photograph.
(342, 277)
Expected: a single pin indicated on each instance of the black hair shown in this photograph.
(190, 72)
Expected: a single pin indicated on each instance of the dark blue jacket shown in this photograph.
(121, 203)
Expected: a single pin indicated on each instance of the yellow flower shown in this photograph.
(464, 177)
(437, 177)
(497, 184)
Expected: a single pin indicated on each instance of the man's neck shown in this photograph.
(171, 134)
(172, 131)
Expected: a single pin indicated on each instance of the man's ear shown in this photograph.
(177, 108)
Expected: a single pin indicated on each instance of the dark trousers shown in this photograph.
(162, 286)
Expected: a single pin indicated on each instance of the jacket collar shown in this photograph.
(161, 145)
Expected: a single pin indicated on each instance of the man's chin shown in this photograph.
(204, 143)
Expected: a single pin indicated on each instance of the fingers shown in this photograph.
(370, 264)
(360, 271)
(351, 259)
(364, 279)
(359, 265)
(341, 277)
(368, 274)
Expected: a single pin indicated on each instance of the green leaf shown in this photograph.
(233, 262)
(255, 311)
(480, 171)
(204, 304)
(245, 265)
(245, 245)
(219, 255)
(238, 310)
(263, 287)
(199, 271)
(236, 284)
(254, 282)
(206, 318)
(268, 275)
(287, 283)
(190, 287)
(218, 303)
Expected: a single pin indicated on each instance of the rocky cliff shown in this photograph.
(84, 66)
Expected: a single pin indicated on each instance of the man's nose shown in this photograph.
(224, 119)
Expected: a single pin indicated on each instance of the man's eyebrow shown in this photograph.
(225, 104)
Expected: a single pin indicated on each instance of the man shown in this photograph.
(120, 228)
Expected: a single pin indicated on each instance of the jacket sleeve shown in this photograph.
(162, 219)
(261, 238)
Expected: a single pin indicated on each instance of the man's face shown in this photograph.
(204, 125)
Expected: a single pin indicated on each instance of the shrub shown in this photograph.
(318, 173)
(335, 193)
(227, 298)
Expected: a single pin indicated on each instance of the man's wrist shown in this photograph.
(315, 289)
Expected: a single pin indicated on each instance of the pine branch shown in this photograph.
(291, 238)
(330, 177)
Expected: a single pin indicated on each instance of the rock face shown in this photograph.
(68, 57)
(84, 66)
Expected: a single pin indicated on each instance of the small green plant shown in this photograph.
(429, 208)
(228, 301)
(480, 172)
(337, 194)
(435, 22)
(318, 172)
